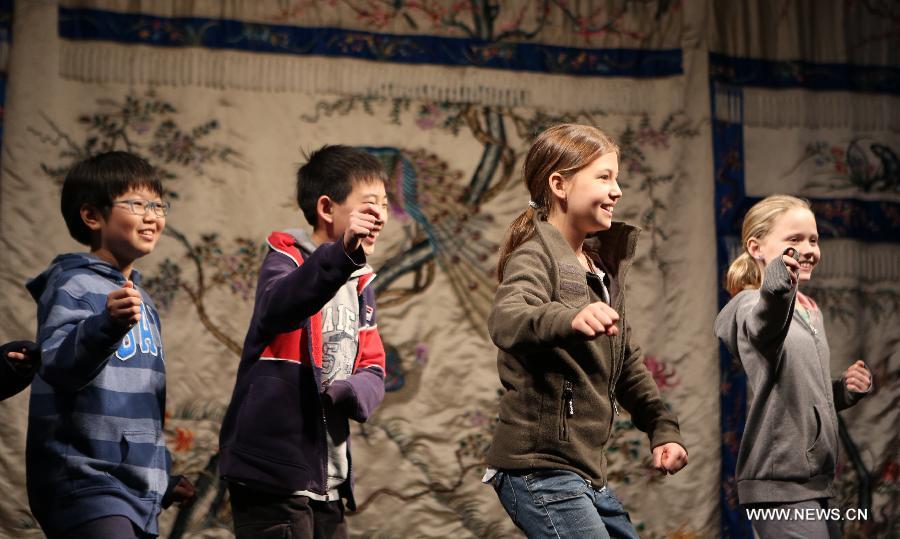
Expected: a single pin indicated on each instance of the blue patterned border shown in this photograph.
(94, 25)
(805, 75)
(728, 164)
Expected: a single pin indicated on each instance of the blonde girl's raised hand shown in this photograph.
(791, 259)
(596, 319)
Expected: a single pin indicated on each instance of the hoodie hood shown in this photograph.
(64, 264)
(308, 246)
(304, 241)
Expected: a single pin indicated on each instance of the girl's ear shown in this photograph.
(754, 248)
(557, 186)
(91, 217)
(325, 209)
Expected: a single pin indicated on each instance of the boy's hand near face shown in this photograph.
(124, 305)
(365, 220)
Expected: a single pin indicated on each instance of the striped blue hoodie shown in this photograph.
(95, 442)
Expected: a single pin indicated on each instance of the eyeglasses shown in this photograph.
(141, 207)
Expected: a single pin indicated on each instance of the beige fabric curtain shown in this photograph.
(228, 127)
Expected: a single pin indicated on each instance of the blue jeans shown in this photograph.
(560, 504)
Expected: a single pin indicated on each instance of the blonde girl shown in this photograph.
(789, 447)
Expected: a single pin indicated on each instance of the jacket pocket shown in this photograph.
(271, 422)
(142, 463)
(551, 486)
(566, 409)
(820, 455)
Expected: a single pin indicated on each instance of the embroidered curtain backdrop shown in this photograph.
(224, 98)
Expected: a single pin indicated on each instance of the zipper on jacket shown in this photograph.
(568, 410)
(621, 355)
(321, 388)
(568, 394)
(613, 380)
(808, 325)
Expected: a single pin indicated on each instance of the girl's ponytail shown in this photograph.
(520, 231)
(742, 274)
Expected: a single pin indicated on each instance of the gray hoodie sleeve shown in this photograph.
(767, 322)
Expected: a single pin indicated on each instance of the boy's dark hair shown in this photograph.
(332, 171)
(98, 180)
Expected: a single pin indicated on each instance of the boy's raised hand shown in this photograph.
(364, 221)
(124, 305)
(669, 458)
(596, 319)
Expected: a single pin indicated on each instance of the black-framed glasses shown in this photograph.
(140, 206)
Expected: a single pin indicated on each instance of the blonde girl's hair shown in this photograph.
(563, 148)
(743, 273)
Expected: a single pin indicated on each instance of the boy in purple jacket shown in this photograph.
(312, 358)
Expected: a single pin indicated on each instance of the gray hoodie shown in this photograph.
(790, 441)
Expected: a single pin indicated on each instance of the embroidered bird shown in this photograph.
(430, 200)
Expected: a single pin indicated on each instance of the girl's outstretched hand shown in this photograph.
(857, 378)
(596, 319)
(669, 458)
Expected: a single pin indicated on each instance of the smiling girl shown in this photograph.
(789, 448)
(566, 358)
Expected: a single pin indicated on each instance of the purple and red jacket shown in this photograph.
(273, 436)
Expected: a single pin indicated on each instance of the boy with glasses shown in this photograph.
(96, 461)
(312, 358)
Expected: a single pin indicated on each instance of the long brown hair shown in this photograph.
(744, 273)
(565, 149)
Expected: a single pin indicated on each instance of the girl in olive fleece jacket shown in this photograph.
(566, 358)
(789, 447)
